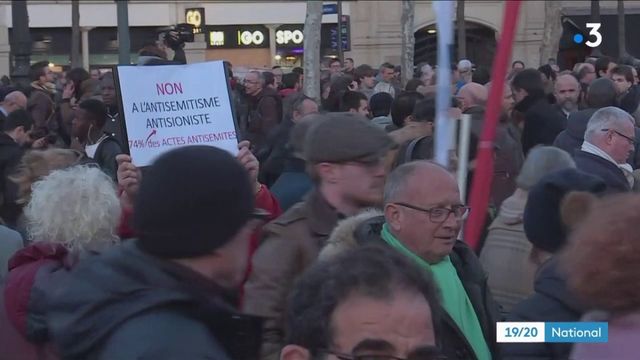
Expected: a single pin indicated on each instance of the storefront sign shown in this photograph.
(285, 37)
(237, 36)
(195, 17)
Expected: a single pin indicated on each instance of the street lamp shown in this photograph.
(20, 43)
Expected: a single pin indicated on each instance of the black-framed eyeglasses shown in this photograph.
(440, 214)
(631, 140)
(426, 353)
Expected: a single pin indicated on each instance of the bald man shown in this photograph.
(472, 99)
(422, 220)
(567, 93)
(13, 101)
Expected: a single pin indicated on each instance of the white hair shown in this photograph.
(607, 117)
(542, 160)
(76, 207)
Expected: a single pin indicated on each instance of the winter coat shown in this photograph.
(106, 154)
(505, 254)
(604, 169)
(293, 184)
(507, 164)
(114, 126)
(365, 228)
(552, 302)
(624, 337)
(35, 273)
(571, 138)
(10, 156)
(291, 244)
(126, 304)
(542, 122)
(264, 114)
(10, 243)
(273, 155)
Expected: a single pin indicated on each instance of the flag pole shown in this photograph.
(483, 175)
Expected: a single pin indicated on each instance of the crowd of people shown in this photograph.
(331, 234)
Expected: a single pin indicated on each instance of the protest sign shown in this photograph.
(170, 106)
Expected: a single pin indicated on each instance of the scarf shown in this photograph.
(627, 170)
(47, 87)
(455, 300)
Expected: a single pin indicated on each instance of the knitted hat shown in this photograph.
(345, 137)
(542, 220)
(192, 200)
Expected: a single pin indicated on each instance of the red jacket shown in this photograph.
(33, 272)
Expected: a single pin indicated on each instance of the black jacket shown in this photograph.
(571, 138)
(542, 122)
(125, 304)
(275, 153)
(106, 154)
(604, 169)
(552, 302)
(452, 341)
(10, 156)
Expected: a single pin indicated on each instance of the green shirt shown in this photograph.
(454, 297)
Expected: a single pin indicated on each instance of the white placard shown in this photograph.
(170, 106)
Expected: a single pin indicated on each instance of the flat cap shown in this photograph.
(342, 137)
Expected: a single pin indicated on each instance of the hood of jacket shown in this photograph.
(577, 123)
(33, 274)
(344, 235)
(119, 284)
(551, 282)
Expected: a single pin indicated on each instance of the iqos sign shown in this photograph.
(250, 38)
(285, 37)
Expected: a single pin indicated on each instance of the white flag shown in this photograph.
(444, 126)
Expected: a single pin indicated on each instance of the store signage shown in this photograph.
(237, 36)
(284, 37)
(250, 38)
(195, 17)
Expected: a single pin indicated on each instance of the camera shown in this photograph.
(177, 35)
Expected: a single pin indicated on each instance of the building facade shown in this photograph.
(262, 34)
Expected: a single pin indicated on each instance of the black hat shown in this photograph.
(192, 200)
(342, 137)
(542, 220)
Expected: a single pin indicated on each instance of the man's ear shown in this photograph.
(392, 215)
(295, 352)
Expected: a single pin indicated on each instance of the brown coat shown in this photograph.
(292, 243)
(505, 255)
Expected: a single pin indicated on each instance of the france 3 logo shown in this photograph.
(593, 33)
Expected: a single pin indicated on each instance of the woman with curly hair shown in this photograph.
(72, 214)
(603, 267)
(34, 166)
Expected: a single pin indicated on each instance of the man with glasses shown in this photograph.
(264, 111)
(375, 305)
(423, 215)
(609, 140)
(345, 158)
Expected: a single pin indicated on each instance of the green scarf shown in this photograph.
(454, 298)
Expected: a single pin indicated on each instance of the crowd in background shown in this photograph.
(331, 234)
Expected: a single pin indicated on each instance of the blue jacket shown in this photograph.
(292, 185)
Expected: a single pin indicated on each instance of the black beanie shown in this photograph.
(192, 200)
(542, 220)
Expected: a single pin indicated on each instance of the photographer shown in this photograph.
(155, 54)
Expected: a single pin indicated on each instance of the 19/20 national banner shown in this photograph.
(170, 106)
